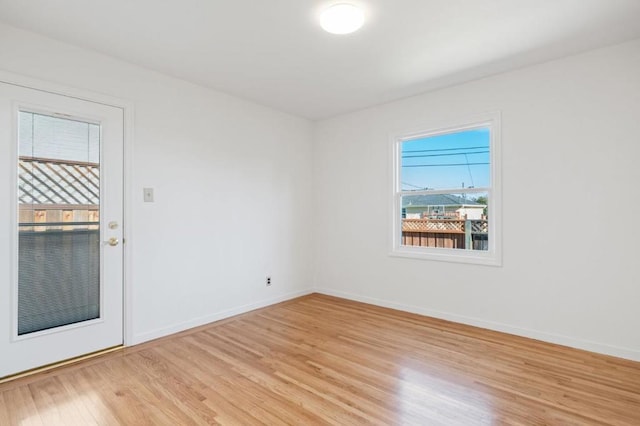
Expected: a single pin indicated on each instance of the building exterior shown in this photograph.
(441, 206)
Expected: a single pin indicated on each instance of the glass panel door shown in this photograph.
(59, 228)
(61, 271)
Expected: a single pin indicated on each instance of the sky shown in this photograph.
(448, 161)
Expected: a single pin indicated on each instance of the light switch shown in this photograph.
(148, 195)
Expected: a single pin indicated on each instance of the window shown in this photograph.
(446, 193)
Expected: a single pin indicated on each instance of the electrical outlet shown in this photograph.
(268, 281)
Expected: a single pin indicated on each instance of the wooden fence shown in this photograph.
(52, 217)
(58, 195)
(49, 181)
(446, 233)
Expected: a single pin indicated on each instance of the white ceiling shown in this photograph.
(273, 51)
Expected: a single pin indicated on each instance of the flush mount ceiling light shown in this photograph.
(341, 18)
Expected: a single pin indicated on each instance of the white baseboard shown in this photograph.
(196, 322)
(590, 346)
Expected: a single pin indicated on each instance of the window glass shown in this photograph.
(446, 193)
(448, 161)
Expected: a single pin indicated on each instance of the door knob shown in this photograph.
(113, 241)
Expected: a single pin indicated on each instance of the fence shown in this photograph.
(446, 233)
(61, 182)
(57, 191)
(47, 217)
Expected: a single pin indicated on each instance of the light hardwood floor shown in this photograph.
(323, 360)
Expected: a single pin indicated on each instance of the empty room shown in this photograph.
(409, 212)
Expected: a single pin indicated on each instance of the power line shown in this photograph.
(414, 186)
(446, 165)
(447, 149)
(444, 155)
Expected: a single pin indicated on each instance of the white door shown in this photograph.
(61, 257)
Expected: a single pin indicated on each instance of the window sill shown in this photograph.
(448, 255)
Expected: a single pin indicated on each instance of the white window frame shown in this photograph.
(492, 256)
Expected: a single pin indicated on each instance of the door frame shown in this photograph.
(127, 107)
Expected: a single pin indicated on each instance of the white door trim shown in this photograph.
(127, 107)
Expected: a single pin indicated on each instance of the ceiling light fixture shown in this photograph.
(342, 18)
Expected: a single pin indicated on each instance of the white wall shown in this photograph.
(571, 133)
(198, 253)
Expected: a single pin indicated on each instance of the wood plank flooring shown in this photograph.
(323, 360)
